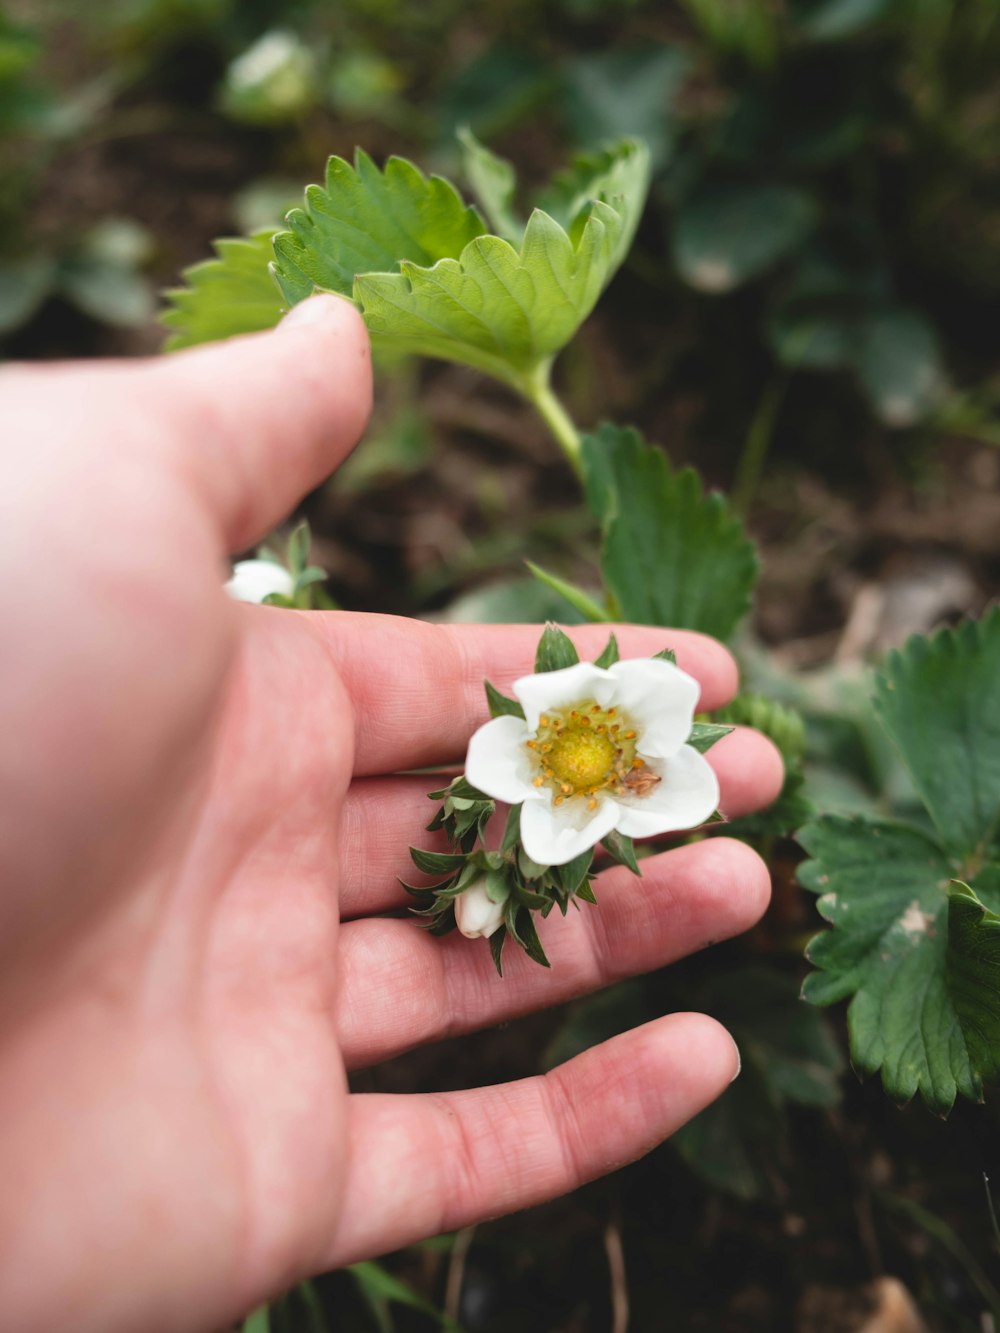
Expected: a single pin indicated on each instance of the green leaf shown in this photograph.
(555, 650)
(578, 599)
(499, 704)
(705, 734)
(739, 1144)
(727, 234)
(884, 889)
(369, 221)
(232, 294)
(379, 1286)
(24, 286)
(779, 723)
(833, 20)
(621, 849)
(494, 183)
(898, 361)
(627, 91)
(939, 700)
(258, 1322)
(973, 966)
(672, 555)
(610, 655)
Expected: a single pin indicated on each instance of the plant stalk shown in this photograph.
(539, 393)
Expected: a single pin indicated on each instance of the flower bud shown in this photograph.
(476, 914)
(253, 580)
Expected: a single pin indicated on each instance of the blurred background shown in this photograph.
(809, 317)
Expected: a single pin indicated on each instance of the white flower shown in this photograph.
(253, 580)
(599, 749)
(476, 914)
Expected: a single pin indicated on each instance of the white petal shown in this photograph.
(499, 763)
(253, 580)
(659, 700)
(562, 689)
(685, 796)
(554, 834)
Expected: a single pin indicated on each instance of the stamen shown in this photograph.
(595, 708)
(543, 721)
(546, 747)
(538, 782)
(612, 712)
(566, 788)
(637, 762)
(532, 745)
(592, 804)
(630, 735)
(559, 800)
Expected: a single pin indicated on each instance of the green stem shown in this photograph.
(755, 449)
(539, 393)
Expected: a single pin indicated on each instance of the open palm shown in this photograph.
(202, 828)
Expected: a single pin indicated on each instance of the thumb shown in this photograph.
(257, 422)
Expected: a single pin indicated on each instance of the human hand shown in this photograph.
(188, 787)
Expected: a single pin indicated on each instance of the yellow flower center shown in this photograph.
(587, 749)
(581, 757)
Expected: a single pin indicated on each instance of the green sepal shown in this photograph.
(512, 829)
(574, 873)
(586, 892)
(436, 863)
(497, 941)
(610, 655)
(578, 599)
(555, 651)
(521, 925)
(529, 869)
(499, 704)
(705, 734)
(666, 655)
(622, 850)
(297, 550)
(498, 887)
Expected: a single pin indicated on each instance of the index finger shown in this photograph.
(417, 688)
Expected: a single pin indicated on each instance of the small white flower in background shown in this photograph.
(599, 749)
(253, 580)
(476, 914)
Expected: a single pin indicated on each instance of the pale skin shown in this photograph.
(199, 827)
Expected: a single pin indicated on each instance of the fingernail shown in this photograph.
(739, 1063)
(314, 310)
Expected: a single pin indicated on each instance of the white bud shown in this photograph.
(476, 914)
(253, 580)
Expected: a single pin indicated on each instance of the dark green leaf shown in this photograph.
(898, 360)
(705, 734)
(939, 699)
(499, 704)
(672, 555)
(24, 286)
(610, 655)
(232, 294)
(436, 863)
(728, 234)
(884, 889)
(621, 849)
(834, 20)
(789, 1055)
(578, 599)
(555, 650)
(973, 966)
(627, 91)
